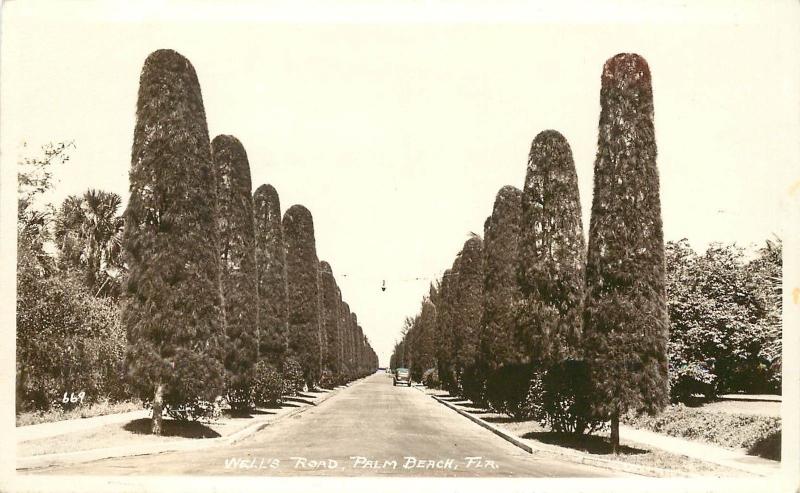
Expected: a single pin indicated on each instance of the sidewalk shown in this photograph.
(732, 459)
(735, 459)
(45, 430)
(80, 436)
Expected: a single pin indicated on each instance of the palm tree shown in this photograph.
(88, 233)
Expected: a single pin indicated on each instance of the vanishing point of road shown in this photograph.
(368, 429)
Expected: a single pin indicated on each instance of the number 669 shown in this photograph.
(72, 398)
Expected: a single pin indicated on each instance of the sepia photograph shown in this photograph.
(400, 245)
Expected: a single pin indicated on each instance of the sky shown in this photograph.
(397, 123)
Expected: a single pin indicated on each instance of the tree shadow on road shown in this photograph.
(246, 414)
(288, 400)
(585, 443)
(171, 428)
(306, 396)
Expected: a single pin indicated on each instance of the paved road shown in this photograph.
(368, 429)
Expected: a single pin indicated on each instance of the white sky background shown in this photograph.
(396, 126)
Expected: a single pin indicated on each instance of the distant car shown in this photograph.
(402, 376)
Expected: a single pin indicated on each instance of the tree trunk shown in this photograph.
(615, 432)
(158, 407)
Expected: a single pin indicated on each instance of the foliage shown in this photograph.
(172, 308)
(551, 255)
(725, 429)
(271, 261)
(292, 374)
(625, 317)
(67, 341)
(88, 234)
(423, 332)
(238, 275)
(303, 291)
(268, 384)
(501, 295)
(331, 299)
(444, 328)
(194, 409)
(508, 390)
(724, 333)
(467, 311)
(563, 399)
(34, 218)
(430, 378)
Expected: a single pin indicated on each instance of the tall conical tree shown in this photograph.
(551, 253)
(468, 310)
(273, 312)
(344, 323)
(172, 307)
(444, 329)
(238, 274)
(507, 363)
(625, 317)
(330, 319)
(303, 291)
(500, 288)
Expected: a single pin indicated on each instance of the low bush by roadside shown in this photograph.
(596, 446)
(100, 408)
(759, 434)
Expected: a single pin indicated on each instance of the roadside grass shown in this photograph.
(599, 446)
(760, 435)
(100, 408)
(137, 432)
(761, 408)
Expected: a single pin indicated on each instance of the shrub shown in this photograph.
(67, 341)
(194, 409)
(430, 378)
(292, 376)
(328, 379)
(268, 384)
(725, 429)
(564, 399)
(508, 390)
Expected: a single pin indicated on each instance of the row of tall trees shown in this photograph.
(218, 284)
(527, 310)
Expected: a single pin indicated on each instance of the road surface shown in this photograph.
(368, 429)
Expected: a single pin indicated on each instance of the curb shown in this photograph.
(562, 453)
(91, 455)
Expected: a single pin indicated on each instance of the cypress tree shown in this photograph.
(467, 313)
(238, 275)
(344, 323)
(270, 254)
(501, 294)
(330, 319)
(172, 307)
(625, 315)
(303, 291)
(507, 364)
(551, 253)
(444, 328)
(424, 337)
